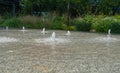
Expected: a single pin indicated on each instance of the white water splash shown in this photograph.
(23, 28)
(53, 37)
(7, 39)
(43, 31)
(109, 31)
(9, 51)
(68, 33)
(48, 40)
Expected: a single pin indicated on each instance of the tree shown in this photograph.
(76, 7)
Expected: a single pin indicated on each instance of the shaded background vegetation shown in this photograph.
(75, 7)
(81, 15)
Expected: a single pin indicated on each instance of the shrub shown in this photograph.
(71, 27)
(89, 18)
(117, 17)
(1, 21)
(103, 25)
(115, 27)
(58, 23)
(82, 25)
(13, 22)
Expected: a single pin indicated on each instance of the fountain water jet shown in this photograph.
(23, 28)
(6, 27)
(108, 36)
(109, 31)
(53, 36)
(52, 39)
(43, 31)
(68, 33)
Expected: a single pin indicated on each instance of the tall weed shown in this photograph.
(31, 21)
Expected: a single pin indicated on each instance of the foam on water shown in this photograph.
(103, 39)
(48, 40)
(9, 51)
(7, 39)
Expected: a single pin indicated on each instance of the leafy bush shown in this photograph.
(115, 27)
(13, 22)
(117, 17)
(58, 23)
(1, 21)
(89, 18)
(82, 25)
(103, 25)
(71, 27)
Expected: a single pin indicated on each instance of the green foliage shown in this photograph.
(103, 25)
(58, 23)
(13, 22)
(104, 6)
(117, 17)
(115, 27)
(1, 21)
(83, 24)
(89, 18)
(31, 22)
(76, 7)
(71, 27)
(99, 23)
